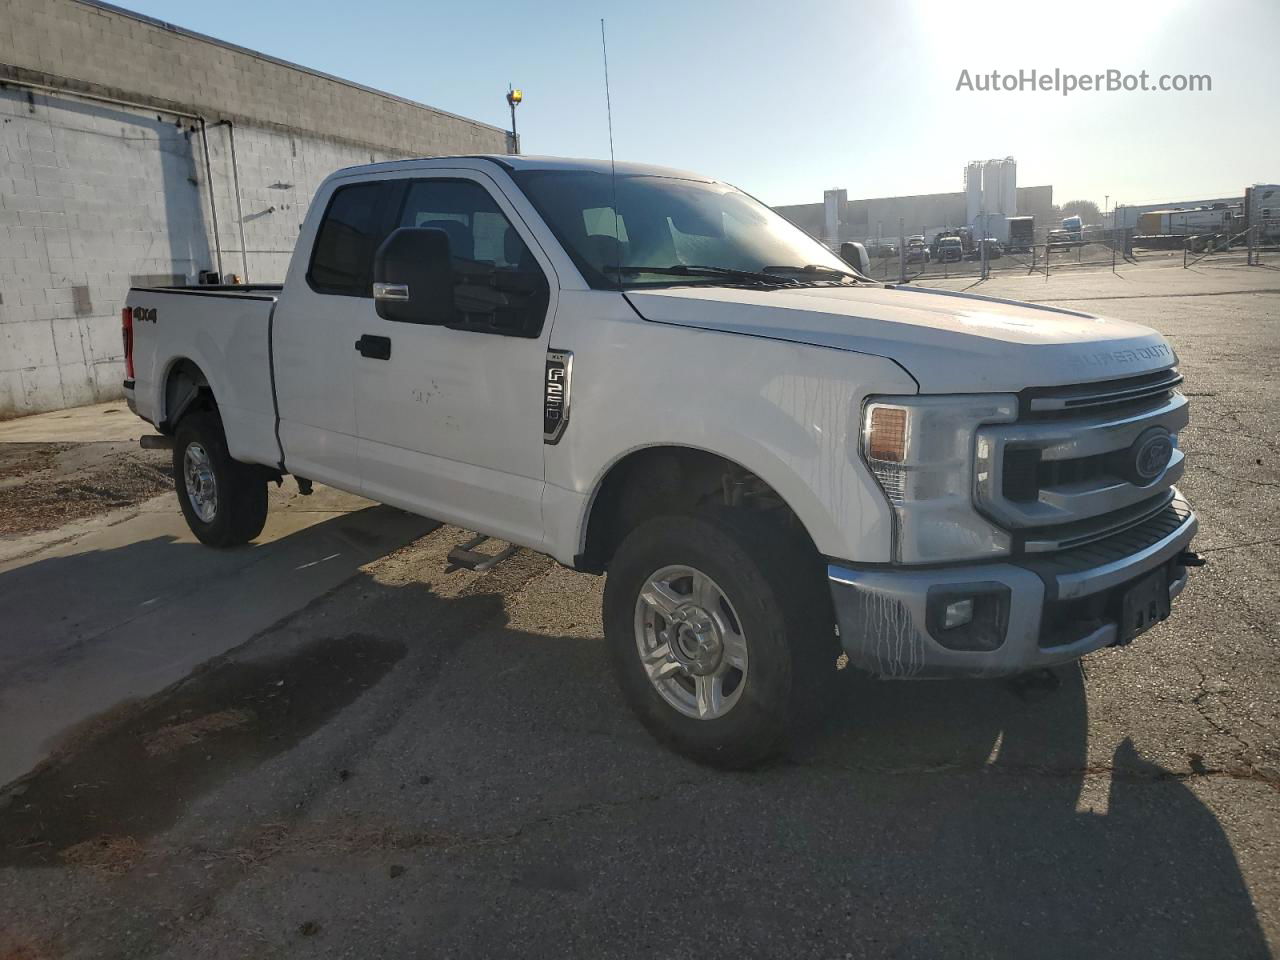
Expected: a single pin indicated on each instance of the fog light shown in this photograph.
(957, 614)
(969, 616)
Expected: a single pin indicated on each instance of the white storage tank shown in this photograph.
(973, 191)
(1009, 188)
(833, 204)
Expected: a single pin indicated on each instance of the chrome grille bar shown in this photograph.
(1085, 396)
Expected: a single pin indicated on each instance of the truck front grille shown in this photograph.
(1066, 472)
(1089, 398)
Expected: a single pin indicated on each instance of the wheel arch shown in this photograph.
(186, 387)
(680, 478)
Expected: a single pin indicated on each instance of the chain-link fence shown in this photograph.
(903, 262)
(1257, 245)
(906, 259)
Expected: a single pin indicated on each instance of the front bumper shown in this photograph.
(1057, 608)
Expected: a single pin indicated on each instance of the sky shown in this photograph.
(788, 99)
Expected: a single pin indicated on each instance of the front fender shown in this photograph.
(787, 412)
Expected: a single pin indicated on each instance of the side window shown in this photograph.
(498, 285)
(342, 260)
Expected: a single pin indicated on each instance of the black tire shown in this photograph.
(776, 584)
(240, 510)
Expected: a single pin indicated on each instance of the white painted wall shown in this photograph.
(95, 194)
(94, 197)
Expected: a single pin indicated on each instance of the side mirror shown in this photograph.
(855, 255)
(413, 277)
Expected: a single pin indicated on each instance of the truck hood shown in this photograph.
(949, 342)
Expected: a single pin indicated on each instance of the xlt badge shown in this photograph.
(555, 399)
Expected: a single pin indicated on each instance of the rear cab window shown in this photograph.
(349, 233)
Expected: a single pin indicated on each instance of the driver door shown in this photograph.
(450, 420)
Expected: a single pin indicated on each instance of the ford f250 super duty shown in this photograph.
(778, 462)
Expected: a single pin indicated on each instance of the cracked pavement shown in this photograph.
(429, 764)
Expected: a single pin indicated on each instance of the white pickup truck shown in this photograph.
(648, 372)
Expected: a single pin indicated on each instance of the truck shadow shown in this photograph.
(85, 629)
(1017, 841)
(929, 819)
(923, 820)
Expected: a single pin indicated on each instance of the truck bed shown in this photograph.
(226, 332)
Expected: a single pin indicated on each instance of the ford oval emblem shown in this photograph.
(1151, 455)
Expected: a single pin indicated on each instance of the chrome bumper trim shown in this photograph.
(881, 612)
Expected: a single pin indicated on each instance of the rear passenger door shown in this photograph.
(328, 297)
(451, 421)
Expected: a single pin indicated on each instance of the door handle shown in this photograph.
(375, 348)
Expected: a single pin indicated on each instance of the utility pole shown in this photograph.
(902, 251)
(986, 230)
(1115, 235)
(514, 97)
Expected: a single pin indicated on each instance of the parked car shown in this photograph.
(651, 373)
(1061, 241)
(948, 250)
(993, 246)
(882, 249)
(917, 250)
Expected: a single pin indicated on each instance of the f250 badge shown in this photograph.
(555, 397)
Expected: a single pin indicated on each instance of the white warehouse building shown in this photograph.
(132, 151)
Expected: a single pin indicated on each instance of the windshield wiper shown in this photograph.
(698, 270)
(816, 269)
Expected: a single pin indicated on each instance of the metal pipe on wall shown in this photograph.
(235, 178)
(101, 98)
(135, 105)
(213, 208)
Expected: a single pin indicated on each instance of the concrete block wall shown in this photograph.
(90, 197)
(278, 175)
(103, 181)
(105, 48)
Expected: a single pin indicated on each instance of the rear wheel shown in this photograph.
(719, 628)
(223, 500)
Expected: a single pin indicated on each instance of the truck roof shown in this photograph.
(514, 162)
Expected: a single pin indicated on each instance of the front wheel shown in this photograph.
(717, 626)
(223, 500)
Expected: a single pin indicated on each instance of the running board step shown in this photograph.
(465, 556)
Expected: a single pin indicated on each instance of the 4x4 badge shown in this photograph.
(555, 398)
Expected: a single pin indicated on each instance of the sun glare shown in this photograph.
(1011, 30)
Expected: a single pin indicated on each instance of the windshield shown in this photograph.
(663, 222)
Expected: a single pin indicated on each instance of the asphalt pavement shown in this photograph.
(418, 762)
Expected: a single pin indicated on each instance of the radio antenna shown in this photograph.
(613, 166)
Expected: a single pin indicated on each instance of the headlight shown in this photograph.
(921, 452)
